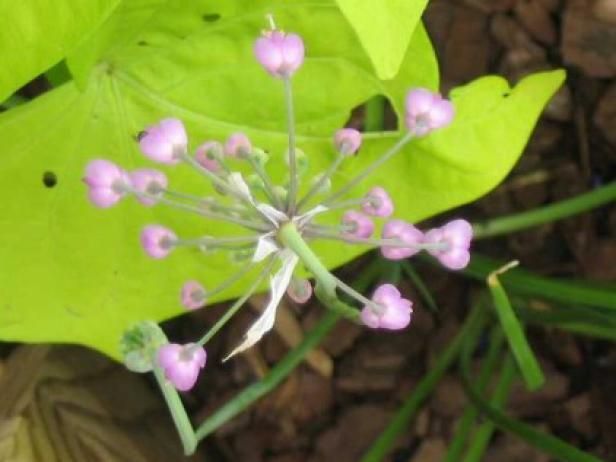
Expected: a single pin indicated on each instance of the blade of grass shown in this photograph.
(483, 435)
(424, 292)
(466, 423)
(411, 405)
(552, 212)
(374, 119)
(529, 367)
(549, 444)
(567, 291)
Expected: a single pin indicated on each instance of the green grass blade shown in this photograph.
(466, 423)
(552, 212)
(424, 292)
(555, 447)
(529, 367)
(411, 405)
(567, 291)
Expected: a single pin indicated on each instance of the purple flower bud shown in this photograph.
(193, 295)
(347, 141)
(165, 142)
(107, 183)
(456, 237)
(377, 203)
(393, 311)
(427, 111)
(206, 155)
(404, 232)
(181, 364)
(148, 181)
(238, 145)
(157, 241)
(361, 226)
(299, 290)
(280, 54)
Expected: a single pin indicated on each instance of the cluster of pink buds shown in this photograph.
(276, 223)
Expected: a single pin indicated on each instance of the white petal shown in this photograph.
(278, 286)
(237, 184)
(301, 220)
(265, 247)
(272, 214)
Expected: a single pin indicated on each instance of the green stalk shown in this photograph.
(552, 212)
(374, 120)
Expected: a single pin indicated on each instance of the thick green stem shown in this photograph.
(178, 413)
(291, 238)
(557, 211)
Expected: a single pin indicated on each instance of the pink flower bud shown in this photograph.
(157, 241)
(404, 232)
(107, 183)
(193, 295)
(165, 142)
(148, 181)
(456, 237)
(300, 290)
(427, 111)
(377, 203)
(393, 311)
(238, 145)
(280, 54)
(206, 155)
(361, 226)
(181, 364)
(347, 141)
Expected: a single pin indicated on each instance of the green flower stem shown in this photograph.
(253, 392)
(178, 413)
(370, 168)
(291, 238)
(557, 211)
(321, 181)
(288, 92)
(411, 405)
(375, 114)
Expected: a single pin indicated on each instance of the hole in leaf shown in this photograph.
(210, 17)
(142, 43)
(50, 179)
(506, 94)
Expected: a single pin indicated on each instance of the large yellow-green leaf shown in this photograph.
(77, 274)
(36, 34)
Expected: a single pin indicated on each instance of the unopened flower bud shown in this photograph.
(208, 155)
(280, 54)
(166, 142)
(157, 241)
(107, 183)
(181, 364)
(377, 203)
(300, 290)
(359, 225)
(404, 232)
(392, 311)
(347, 141)
(193, 295)
(426, 111)
(456, 237)
(148, 181)
(325, 186)
(238, 145)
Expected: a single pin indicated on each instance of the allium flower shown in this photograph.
(377, 203)
(454, 240)
(426, 111)
(149, 185)
(182, 364)
(409, 240)
(157, 241)
(347, 141)
(388, 311)
(107, 183)
(276, 226)
(165, 142)
(193, 295)
(280, 54)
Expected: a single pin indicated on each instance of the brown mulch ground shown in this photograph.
(333, 406)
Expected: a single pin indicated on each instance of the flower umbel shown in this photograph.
(276, 222)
